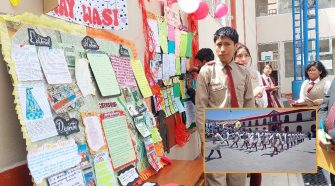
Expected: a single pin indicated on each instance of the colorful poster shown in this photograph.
(172, 16)
(104, 74)
(183, 65)
(54, 65)
(156, 66)
(109, 15)
(163, 33)
(166, 66)
(172, 65)
(171, 47)
(189, 44)
(52, 158)
(85, 156)
(178, 67)
(183, 43)
(27, 65)
(93, 131)
(64, 97)
(70, 177)
(83, 77)
(171, 33)
(103, 170)
(154, 27)
(141, 126)
(128, 176)
(142, 81)
(190, 113)
(36, 111)
(89, 177)
(124, 74)
(151, 154)
(118, 138)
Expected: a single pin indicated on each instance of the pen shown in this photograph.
(322, 125)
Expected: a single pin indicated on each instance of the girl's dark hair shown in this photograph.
(319, 66)
(267, 64)
(241, 46)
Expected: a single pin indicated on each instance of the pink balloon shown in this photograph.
(202, 11)
(221, 10)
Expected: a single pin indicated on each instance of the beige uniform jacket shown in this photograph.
(212, 89)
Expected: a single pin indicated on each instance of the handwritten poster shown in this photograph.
(118, 139)
(172, 63)
(94, 133)
(103, 170)
(104, 74)
(156, 66)
(183, 65)
(172, 16)
(166, 67)
(83, 77)
(151, 154)
(53, 158)
(70, 177)
(142, 81)
(141, 126)
(36, 111)
(109, 15)
(171, 33)
(190, 113)
(177, 40)
(124, 74)
(154, 27)
(183, 43)
(54, 65)
(189, 44)
(163, 31)
(27, 65)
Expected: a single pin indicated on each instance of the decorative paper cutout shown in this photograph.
(38, 40)
(89, 43)
(64, 97)
(94, 133)
(36, 111)
(128, 176)
(104, 74)
(123, 52)
(65, 128)
(64, 155)
(27, 65)
(54, 65)
(71, 177)
(142, 82)
(124, 74)
(83, 77)
(103, 170)
(118, 139)
(109, 15)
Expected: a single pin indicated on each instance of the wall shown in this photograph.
(278, 28)
(207, 27)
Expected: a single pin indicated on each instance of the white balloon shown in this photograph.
(189, 6)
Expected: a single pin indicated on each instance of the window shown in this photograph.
(264, 121)
(256, 123)
(299, 128)
(243, 124)
(287, 129)
(274, 118)
(287, 119)
(299, 117)
(249, 124)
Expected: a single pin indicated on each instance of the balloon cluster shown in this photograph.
(199, 8)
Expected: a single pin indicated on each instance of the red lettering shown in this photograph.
(96, 17)
(116, 21)
(86, 15)
(106, 14)
(63, 8)
(70, 4)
